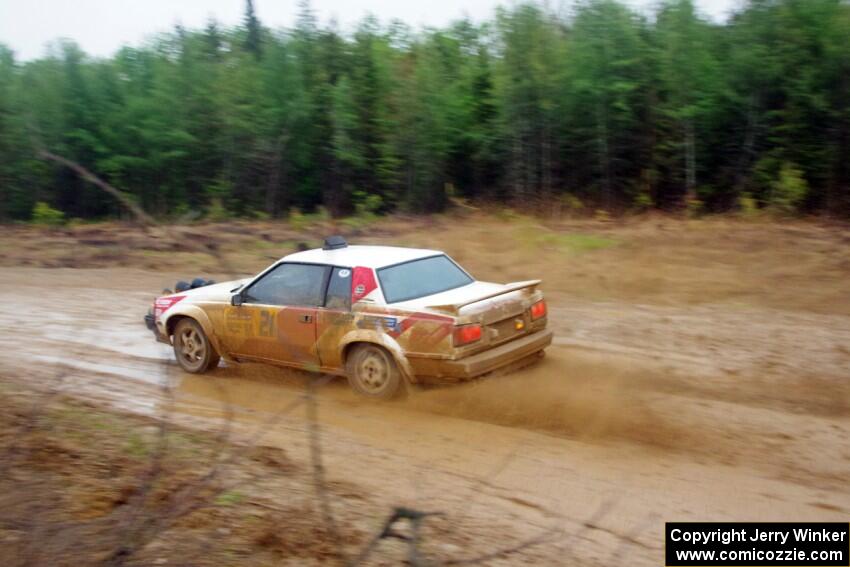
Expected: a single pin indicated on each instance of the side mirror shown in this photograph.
(236, 299)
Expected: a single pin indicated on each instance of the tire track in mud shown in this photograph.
(594, 396)
(575, 395)
(578, 400)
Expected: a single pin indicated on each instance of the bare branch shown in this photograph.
(39, 406)
(547, 535)
(506, 551)
(146, 221)
(137, 211)
(415, 517)
(476, 489)
(135, 523)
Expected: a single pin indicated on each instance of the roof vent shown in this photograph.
(334, 242)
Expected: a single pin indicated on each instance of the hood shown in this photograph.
(215, 292)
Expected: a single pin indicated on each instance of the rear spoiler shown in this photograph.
(454, 308)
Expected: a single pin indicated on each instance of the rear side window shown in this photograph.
(339, 289)
(421, 278)
(290, 284)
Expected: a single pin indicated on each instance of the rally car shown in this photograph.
(382, 316)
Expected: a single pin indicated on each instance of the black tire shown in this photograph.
(192, 347)
(373, 372)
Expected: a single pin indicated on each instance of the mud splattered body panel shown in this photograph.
(350, 307)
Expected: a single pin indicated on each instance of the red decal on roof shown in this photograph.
(362, 283)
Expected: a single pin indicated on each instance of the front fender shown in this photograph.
(195, 313)
(381, 339)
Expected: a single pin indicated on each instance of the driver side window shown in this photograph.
(290, 284)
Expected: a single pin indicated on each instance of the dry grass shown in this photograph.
(798, 265)
(75, 473)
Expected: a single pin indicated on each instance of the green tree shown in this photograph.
(253, 31)
(526, 80)
(688, 79)
(604, 107)
(605, 91)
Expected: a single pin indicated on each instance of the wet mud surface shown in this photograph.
(650, 413)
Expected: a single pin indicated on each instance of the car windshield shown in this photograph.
(420, 278)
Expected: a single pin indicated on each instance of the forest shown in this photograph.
(591, 107)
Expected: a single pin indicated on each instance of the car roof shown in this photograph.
(366, 256)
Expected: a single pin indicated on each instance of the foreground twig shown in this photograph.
(506, 551)
(319, 467)
(135, 523)
(415, 517)
(39, 406)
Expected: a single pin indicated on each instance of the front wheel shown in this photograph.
(192, 348)
(372, 372)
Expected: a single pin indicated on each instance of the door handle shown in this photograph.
(305, 318)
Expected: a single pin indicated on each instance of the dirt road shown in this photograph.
(638, 415)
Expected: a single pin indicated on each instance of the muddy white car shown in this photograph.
(381, 316)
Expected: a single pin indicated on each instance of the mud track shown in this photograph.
(650, 413)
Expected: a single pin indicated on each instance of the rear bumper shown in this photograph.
(483, 362)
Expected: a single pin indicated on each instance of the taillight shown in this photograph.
(466, 334)
(163, 304)
(538, 310)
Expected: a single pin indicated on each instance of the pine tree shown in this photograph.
(253, 31)
(613, 108)
(687, 76)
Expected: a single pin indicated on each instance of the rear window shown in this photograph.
(421, 278)
(339, 290)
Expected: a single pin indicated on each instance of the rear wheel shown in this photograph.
(192, 348)
(372, 372)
